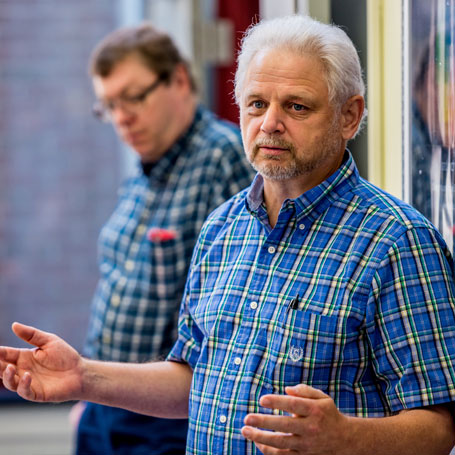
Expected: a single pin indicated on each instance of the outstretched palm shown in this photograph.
(50, 372)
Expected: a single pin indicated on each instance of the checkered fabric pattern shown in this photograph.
(145, 247)
(351, 292)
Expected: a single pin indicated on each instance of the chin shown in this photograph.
(147, 156)
(142, 150)
(279, 175)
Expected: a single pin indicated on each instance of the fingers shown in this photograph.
(306, 391)
(283, 424)
(298, 433)
(9, 355)
(267, 450)
(24, 387)
(271, 439)
(9, 378)
(31, 335)
(292, 405)
(300, 400)
(20, 385)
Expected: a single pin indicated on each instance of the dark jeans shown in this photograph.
(112, 431)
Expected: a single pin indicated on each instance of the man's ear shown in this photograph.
(351, 116)
(181, 77)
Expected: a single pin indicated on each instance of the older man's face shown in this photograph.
(289, 128)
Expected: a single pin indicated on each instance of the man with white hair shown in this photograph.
(318, 316)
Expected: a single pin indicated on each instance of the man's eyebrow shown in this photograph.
(121, 94)
(308, 98)
(252, 95)
(129, 91)
(305, 98)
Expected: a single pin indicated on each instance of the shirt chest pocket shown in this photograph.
(168, 267)
(305, 347)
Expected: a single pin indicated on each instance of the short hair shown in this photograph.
(306, 36)
(154, 47)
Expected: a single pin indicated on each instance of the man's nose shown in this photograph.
(121, 115)
(272, 121)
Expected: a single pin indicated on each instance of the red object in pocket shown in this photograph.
(161, 235)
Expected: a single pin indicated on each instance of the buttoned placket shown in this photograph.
(267, 257)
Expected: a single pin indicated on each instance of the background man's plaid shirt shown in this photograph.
(374, 327)
(135, 308)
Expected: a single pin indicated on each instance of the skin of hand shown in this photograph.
(316, 426)
(52, 371)
(314, 421)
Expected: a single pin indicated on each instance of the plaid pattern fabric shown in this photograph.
(145, 247)
(352, 293)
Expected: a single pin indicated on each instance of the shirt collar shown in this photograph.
(163, 167)
(315, 201)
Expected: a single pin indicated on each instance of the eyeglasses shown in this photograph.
(102, 110)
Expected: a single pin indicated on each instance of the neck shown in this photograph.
(187, 114)
(275, 193)
(182, 120)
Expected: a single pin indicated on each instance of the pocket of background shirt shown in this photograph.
(168, 267)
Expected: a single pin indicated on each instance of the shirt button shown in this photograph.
(115, 300)
(271, 249)
(129, 265)
(301, 227)
(253, 305)
(223, 419)
(238, 361)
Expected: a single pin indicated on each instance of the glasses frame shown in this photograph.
(103, 110)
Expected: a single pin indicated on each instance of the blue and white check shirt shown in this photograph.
(351, 292)
(136, 305)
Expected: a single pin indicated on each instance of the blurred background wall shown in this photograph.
(59, 168)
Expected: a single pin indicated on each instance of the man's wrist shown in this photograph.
(88, 375)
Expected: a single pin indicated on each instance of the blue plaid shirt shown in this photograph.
(351, 292)
(135, 308)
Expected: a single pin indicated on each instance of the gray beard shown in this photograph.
(277, 172)
(298, 166)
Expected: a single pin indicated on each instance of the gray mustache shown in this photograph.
(274, 143)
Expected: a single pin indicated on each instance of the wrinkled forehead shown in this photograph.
(284, 72)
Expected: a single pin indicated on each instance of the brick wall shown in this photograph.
(59, 168)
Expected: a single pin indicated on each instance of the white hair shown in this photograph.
(304, 35)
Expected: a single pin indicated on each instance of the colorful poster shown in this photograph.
(432, 32)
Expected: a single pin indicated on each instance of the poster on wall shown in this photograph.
(432, 112)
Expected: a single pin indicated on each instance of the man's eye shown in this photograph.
(136, 98)
(258, 104)
(108, 105)
(298, 107)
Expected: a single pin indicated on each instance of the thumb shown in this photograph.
(31, 335)
(305, 391)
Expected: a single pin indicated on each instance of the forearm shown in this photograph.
(160, 389)
(425, 431)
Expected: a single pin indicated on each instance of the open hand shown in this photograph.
(314, 426)
(51, 371)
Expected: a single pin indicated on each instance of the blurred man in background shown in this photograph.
(189, 162)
